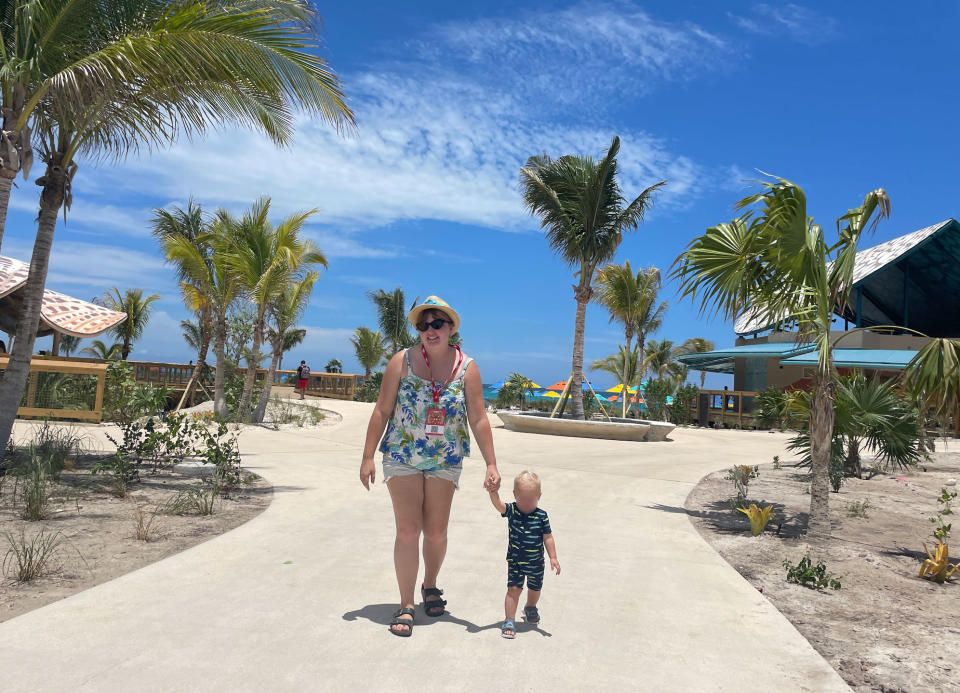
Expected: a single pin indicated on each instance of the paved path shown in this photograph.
(298, 598)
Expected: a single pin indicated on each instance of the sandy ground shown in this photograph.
(98, 531)
(885, 629)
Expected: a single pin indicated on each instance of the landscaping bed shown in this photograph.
(885, 629)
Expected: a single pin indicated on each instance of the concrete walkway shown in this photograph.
(298, 598)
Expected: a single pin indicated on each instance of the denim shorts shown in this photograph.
(392, 469)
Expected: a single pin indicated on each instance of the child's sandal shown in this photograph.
(508, 625)
(531, 615)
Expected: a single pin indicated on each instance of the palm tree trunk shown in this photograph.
(6, 182)
(821, 435)
(252, 365)
(261, 409)
(219, 341)
(623, 381)
(582, 294)
(18, 369)
(852, 465)
(198, 369)
(125, 351)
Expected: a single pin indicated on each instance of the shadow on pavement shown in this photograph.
(382, 614)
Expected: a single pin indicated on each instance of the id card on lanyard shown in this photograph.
(436, 416)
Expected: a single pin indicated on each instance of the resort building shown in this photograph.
(909, 282)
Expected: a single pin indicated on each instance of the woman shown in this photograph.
(429, 394)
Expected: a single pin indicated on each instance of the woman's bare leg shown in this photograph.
(406, 492)
(437, 499)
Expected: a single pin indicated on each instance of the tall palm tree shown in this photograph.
(697, 345)
(285, 311)
(580, 205)
(520, 385)
(138, 312)
(625, 366)
(99, 350)
(660, 359)
(631, 299)
(370, 348)
(106, 79)
(292, 338)
(265, 259)
(190, 225)
(334, 366)
(392, 318)
(208, 285)
(773, 263)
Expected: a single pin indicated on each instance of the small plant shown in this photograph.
(758, 517)
(36, 486)
(776, 462)
(221, 450)
(199, 499)
(937, 566)
(120, 471)
(204, 416)
(740, 475)
(143, 524)
(943, 529)
(858, 508)
(808, 575)
(31, 558)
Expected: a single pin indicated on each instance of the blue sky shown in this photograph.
(451, 99)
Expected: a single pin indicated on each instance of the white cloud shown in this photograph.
(796, 22)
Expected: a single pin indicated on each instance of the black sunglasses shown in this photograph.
(436, 324)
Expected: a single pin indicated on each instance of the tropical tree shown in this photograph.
(69, 344)
(137, 309)
(392, 318)
(933, 379)
(697, 345)
(265, 259)
(774, 263)
(334, 366)
(99, 350)
(370, 349)
(105, 79)
(583, 211)
(521, 386)
(292, 338)
(661, 359)
(631, 299)
(625, 367)
(194, 334)
(285, 311)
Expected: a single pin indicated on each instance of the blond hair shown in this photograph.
(527, 480)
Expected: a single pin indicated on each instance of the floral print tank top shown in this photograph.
(406, 441)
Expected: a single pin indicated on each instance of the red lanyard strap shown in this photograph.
(433, 383)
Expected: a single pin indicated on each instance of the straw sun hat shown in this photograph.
(433, 303)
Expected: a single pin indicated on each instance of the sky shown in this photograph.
(452, 98)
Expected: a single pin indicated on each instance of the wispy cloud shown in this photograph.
(796, 22)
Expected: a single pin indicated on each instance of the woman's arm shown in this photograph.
(382, 411)
(480, 425)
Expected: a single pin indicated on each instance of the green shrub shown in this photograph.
(771, 407)
(858, 508)
(680, 411)
(656, 393)
(808, 575)
(370, 390)
(120, 471)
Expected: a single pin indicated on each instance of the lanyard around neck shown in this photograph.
(433, 383)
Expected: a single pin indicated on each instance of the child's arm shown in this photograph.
(497, 503)
(552, 552)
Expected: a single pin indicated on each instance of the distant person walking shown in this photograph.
(429, 394)
(303, 375)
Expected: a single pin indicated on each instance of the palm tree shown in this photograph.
(265, 259)
(194, 334)
(520, 385)
(285, 311)
(106, 79)
(631, 299)
(625, 366)
(660, 359)
(392, 318)
(774, 263)
(138, 312)
(68, 344)
(697, 345)
(580, 205)
(333, 366)
(291, 339)
(99, 350)
(370, 349)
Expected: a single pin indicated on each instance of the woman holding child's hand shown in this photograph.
(429, 395)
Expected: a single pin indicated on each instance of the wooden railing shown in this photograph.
(62, 389)
(726, 408)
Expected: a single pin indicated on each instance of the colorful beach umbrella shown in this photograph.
(550, 395)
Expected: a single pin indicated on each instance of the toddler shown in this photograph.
(529, 533)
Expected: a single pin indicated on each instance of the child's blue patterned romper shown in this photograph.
(525, 551)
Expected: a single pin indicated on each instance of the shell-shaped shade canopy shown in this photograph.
(59, 312)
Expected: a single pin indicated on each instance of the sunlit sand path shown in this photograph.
(298, 598)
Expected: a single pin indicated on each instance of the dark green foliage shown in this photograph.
(120, 470)
(370, 390)
(808, 575)
(680, 411)
(656, 393)
(772, 408)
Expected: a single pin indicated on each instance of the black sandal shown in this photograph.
(431, 606)
(397, 621)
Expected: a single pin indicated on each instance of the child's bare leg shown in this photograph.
(510, 603)
(533, 596)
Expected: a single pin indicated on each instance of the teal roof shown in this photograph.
(883, 359)
(721, 360)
